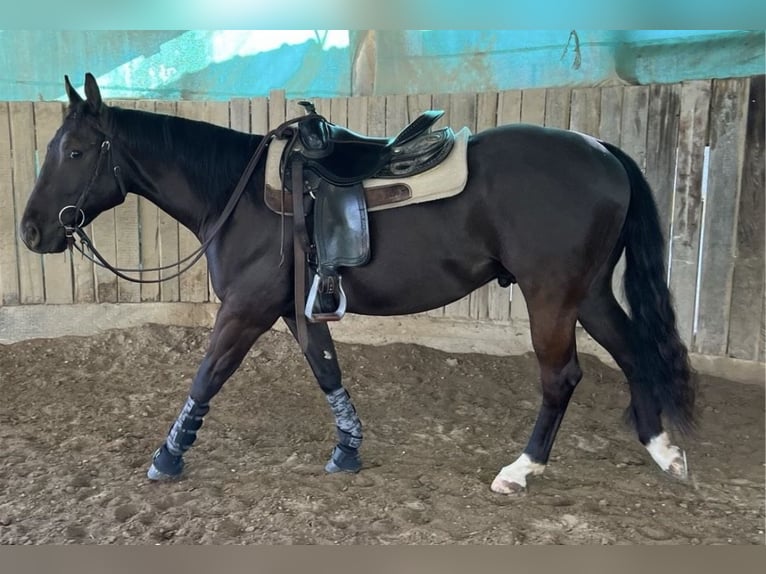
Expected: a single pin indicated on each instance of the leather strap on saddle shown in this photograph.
(301, 247)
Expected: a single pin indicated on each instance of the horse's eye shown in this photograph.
(74, 154)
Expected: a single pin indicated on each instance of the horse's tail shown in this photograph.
(662, 368)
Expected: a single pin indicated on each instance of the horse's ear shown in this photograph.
(74, 97)
(92, 93)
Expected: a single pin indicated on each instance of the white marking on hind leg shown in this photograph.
(669, 457)
(512, 479)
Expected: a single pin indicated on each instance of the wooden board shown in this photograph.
(635, 115)
(57, 267)
(746, 318)
(486, 117)
(356, 113)
(218, 114)
(610, 121)
(396, 114)
(30, 265)
(127, 230)
(149, 233)
(376, 116)
(687, 211)
(416, 105)
(293, 109)
(728, 117)
(193, 282)
(239, 114)
(585, 112)
(557, 106)
(661, 146)
(633, 130)
(509, 107)
(533, 106)
(499, 304)
(339, 111)
(259, 115)
(277, 108)
(323, 107)
(9, 271)
(609, 130)
(170, 290)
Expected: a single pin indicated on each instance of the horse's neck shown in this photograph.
(174, 184)
(168, 188)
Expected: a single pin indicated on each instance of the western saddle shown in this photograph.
(323, 166)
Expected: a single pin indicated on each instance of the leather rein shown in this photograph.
(75, 231)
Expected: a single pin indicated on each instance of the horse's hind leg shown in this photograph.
(553, 338)
(607, 323)
(323, 360)
(235, 331)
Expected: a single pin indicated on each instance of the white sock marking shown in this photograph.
(516, 473)
(669, 457)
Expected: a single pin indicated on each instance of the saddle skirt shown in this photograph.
(445, 180)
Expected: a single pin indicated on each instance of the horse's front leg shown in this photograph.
(236, 329)
(323, 360)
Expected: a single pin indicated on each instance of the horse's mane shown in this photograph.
(211, 156)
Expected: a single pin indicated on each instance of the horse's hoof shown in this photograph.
(503, 486)
(165, 466)
(678, 468)
(157, 475)
(341, 461)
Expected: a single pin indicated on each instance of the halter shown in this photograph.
(74, 229)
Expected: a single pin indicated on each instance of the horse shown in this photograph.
(551, 210)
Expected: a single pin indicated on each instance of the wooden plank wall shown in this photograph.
(717, 277)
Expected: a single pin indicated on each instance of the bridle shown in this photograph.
(75, 231)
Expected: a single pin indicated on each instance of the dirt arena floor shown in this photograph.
(80, 417)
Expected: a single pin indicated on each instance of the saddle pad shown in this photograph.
(445, 180)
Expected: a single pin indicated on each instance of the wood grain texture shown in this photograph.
(9, 270)
(127, 235)
(170, 290)
(24, 165)
(728, 127)
(746, 319)
(687, 211)
(194, 281)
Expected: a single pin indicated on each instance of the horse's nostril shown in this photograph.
(31, 235)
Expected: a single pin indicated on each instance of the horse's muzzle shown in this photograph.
(30, 235)
(40, 242)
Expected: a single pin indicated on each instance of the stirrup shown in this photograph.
(336, 315)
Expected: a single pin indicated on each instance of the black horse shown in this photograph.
(552, 210)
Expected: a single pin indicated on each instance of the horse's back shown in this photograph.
(547, 155)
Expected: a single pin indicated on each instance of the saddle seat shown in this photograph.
(343, 157)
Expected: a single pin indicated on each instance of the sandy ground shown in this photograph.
(80, 417)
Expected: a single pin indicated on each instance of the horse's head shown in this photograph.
(76, 181)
